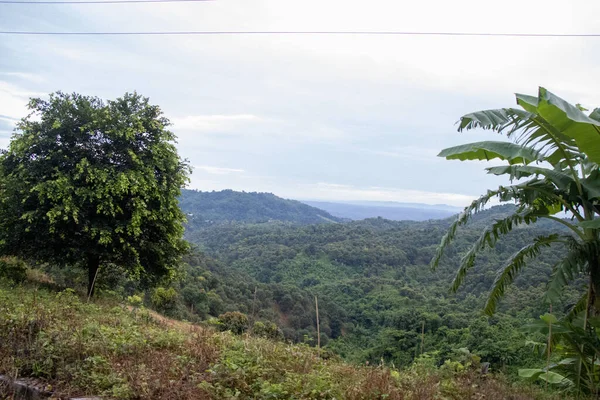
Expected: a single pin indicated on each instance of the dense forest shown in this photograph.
(376, 290)
(208, 208)
(378, 299)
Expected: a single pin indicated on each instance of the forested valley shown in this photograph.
(115, 281)
(379, 300)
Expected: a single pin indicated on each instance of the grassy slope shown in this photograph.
(105, 348)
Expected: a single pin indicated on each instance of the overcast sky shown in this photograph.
(310, 117)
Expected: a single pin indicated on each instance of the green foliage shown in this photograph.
(135, 301)
(163, 299)
(267, 329)
(227, 206)
(575, 348)
(551, 131)
(233, 321)
(13, 269)
(80, 348)
(373, 285)
(93, 184)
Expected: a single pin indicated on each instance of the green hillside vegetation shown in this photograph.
(208, 208)
(378, 299)
(74, 348)
(374, 286)
(244, 297)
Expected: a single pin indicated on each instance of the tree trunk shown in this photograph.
(93, 266)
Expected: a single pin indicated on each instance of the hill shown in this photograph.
(208, 208)
(65, 347)
(389, 210)
(375, 287)
(378, 300)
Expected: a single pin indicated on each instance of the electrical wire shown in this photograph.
(355, 33)
(97, 1)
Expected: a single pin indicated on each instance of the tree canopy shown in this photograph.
(92, 183)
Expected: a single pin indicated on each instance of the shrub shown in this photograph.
(268, 330)
(13, 269)
(164, 299)
(234, 321)
(135, 301)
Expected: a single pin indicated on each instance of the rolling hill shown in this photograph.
(226, 206)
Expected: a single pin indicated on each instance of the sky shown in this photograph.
(319, 117)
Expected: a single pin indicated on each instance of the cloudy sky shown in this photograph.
(310, 116)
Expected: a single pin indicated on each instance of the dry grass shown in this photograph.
(84, 349)
(105, 349)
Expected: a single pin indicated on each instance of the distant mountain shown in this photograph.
(386, 209)
(209, 208)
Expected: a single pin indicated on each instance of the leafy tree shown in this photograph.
(92, 183)
(554, 154)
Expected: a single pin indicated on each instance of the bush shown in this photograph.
(268, 330)
(234, 321)
(13, 269)
(135, 301)
(164, 299)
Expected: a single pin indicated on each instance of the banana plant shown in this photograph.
(577, 350)
(551, 155)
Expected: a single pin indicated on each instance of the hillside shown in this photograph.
(379, 303)
(71, 347)
(208, 208)
(388, 210)
(376, 289)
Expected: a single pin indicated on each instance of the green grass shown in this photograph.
(108, 349)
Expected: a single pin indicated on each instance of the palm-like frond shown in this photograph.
(574, 262)
(578, 308)
(560, 179)
(549, 130)
(462, 219)
(518, 260)
(535, 192)
(488, 150)
(563, 129)
(488, 239)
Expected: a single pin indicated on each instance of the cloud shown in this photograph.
(339, 192)
(13, 101)
(214, 123)
(35, 78)
(218, 170)
(8, 120)
(408, 152)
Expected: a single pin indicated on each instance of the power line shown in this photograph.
(98, 1)
(355, 33)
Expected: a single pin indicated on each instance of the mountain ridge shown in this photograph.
(227, 206)
(357, 210)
